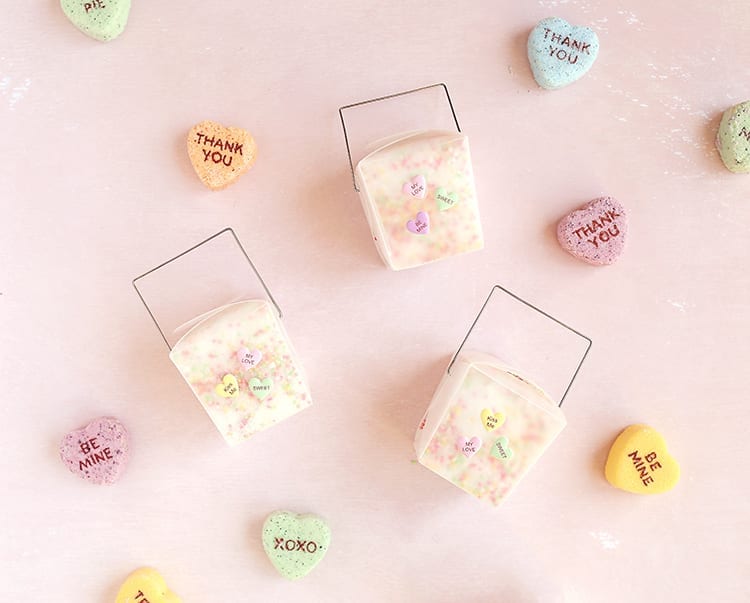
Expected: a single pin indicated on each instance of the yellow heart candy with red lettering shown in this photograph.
(492, 421)
(146, 585)
(638, 462)
(220, 155)
(228, 388)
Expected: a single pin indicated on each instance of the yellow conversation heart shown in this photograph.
(639, 462)
(492, 421)
(228, 388)
(146, 585)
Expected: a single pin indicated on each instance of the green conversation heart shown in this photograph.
(445, 200)
(260, 389)
(501, 449)
(102, 20)
(294, 543)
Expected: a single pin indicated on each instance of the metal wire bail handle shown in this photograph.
(382, 98)
(193, 248)
(533, 307)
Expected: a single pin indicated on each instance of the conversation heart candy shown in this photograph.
(596, 232)
(294, 543)
(220, 155)
(501, 449)
(419, 225)
(639, 462)
(261, 389)
(445, 200)
(102, 20)
(733, 138)
(492, 420)
(560, 53)
(98, 452)
(249, 358)
(469, 446)
(228, 388)
(146, 585)
(416, 187)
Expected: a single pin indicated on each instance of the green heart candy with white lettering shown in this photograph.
(294, 543)
(102, 20)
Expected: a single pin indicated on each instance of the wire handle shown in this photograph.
(542, 312)
(193, 248)
(382, 98)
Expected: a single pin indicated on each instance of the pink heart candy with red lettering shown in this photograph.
(249, 358)
(99, 452)
(596, 232)
(469, 447)
(420, 225)
(416, 187)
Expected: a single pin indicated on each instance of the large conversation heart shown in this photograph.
(560, 53)
(639, 462)
(102, 20)
(416, 187)
(220, 155)
(733, 138)
(261, 388)
(492, 420)
(146, 585)
(294, 543)
(249, 358)
(596, 232)
(98, 452)
(469, 446)
(228, 388)
(419, 225)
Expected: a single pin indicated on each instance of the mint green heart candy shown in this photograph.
(294, 543)
(445, 200)
(102, 20)
(733, 139)
(261, 389)
(501, 449)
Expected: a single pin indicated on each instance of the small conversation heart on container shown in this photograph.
(261, 388)
(420, 225)
(491, 420)
(416, 187)
(249, 358)
(220, 155)
(501, 449)
(445, 200)
(102, 20)
(146, 585)
(596, 232)
(229, 387)
(733, 138)
(469, 446)
(98, 452)
(639, 462)
(295, 543)
(561, 53)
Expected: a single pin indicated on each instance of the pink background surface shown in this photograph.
(96, 188)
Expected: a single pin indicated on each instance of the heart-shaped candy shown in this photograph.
(445, 200)
(261, 389)
(596, 232)
(294, 543)
(469, 446)
(733, 138)
(560, 53)
(99, 452)
(146, 585)
(420, 225)
(228, 388)
(639, 462)
(416, 187)
(492, 421)
(220, 155)
(501, 449)
(249, 358)
(102, 20)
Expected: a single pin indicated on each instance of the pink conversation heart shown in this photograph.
(596, 232)
(469, 447)
(99, 452)
(419, 225)
(249, 358)
(416, 187)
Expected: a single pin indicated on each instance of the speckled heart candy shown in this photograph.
(102, 20)
(560, 53)
(733, 138)
(294, 543)
(146, 585)
(596, 232)
(220, 155)
(99, 452)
